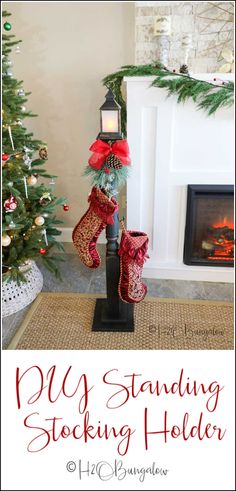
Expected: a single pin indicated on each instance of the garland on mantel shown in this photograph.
(209, 96)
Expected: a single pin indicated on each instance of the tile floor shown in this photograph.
(78, 278)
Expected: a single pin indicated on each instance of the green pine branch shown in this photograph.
(207, 96)
(101, 179)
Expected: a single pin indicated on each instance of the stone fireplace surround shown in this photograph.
(173, 145)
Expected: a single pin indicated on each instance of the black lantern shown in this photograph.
(110, 119)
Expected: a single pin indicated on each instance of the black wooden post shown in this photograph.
(111, 314)
(112, 268)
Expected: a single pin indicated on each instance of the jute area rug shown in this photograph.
(63, 321)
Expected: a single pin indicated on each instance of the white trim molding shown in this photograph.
(173, 145)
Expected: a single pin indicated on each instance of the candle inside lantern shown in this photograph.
(110, 121)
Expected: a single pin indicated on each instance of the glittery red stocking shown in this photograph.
(90, 226)
(132, 252)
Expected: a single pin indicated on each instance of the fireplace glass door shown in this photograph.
(209, 231)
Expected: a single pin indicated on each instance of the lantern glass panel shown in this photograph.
(110, 121)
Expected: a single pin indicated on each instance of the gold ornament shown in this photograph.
(39, 221)
(43, 153)
(31, 180)
(6, 240)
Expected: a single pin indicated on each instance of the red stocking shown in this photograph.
(133, 252)
(90, 226)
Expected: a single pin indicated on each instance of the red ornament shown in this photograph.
(42, 251)
(214, 79)
(5, 157)
(174, 70)
(106, 170)
(10, 204)
(66, 207)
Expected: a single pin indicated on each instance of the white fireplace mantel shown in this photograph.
(173, 145)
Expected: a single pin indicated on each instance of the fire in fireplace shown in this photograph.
(209, 231)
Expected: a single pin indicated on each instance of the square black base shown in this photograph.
(102, 322)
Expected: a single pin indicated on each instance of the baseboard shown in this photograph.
(188, 273)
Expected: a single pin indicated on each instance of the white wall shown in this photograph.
(67, 48)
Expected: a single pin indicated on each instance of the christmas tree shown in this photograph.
(28, 210)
